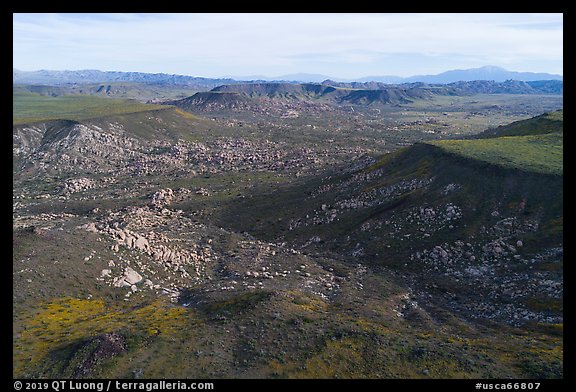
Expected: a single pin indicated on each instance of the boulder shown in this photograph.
(131, 276)
(130, 241)
(141, 243)
(120, 282)
(105, 273)
(90, 227)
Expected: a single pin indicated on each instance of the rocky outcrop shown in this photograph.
(73, 185)
(96, 350)
(151, 260)
(327, 214)
(162, 198)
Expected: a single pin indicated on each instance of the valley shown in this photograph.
(288, 231)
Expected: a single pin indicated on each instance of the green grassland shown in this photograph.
(126, 90)
(30, 107)
(537, 153)
(546, 123)
(534, 144)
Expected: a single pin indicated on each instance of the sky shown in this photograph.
(240, 44)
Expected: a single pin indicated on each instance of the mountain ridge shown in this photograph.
(249, 96)
(497, 74)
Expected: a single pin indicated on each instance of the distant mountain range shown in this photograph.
(47, 77)
(497, 74)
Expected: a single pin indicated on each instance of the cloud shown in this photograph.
(217, 44)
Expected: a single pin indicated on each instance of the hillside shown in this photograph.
(142, 92)
(149, 242)
(31, 107)
(214, 100)
(277, 90)
(534, 153)
(546, 123)
(534, 145)
(438, 214)
(276, 96)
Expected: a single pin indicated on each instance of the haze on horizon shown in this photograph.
(339, 45)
